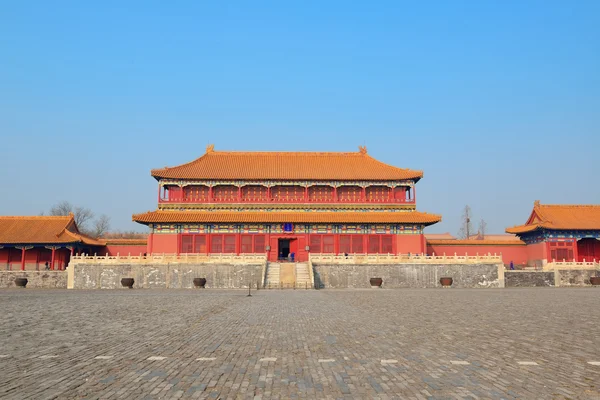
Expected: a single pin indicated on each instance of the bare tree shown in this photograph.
(466, 227)
(482, 229)
(81, 215)
(101, 225)
(61, 209)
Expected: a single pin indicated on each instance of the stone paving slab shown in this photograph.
(527, 343)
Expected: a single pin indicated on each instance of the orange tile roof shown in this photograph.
(128, 242)
(560, 217)
(42, 230)
(222, 165)
(498, 237)
(439, 236)
(408, 217)
(475, 242)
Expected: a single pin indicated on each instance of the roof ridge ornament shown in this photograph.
(536, 203)
(362, 149)
(210, 148)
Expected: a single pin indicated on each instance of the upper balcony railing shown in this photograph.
(298, 195)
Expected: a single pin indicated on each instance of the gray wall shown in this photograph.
(406, 275)
(227, 276)
(36, 279)
(576, 277)
(563, 277)
(528, 278)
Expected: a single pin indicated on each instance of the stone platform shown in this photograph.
(373, 343)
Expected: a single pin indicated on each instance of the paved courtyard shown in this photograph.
(409, 344)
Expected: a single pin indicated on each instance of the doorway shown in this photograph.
(283, 247)
(287, 249)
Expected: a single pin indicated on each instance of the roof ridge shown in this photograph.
(35, 216)
(570, 205)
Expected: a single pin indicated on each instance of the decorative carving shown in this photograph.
(362, 149)
(210, 148)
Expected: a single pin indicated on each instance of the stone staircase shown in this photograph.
(303, 276)
(273, 272)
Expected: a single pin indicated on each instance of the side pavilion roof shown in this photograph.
(229, 165)
(42, 230)
(560, 217)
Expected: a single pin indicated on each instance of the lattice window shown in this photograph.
(229, 244)
(287, 193)
(320, 193)
(349, 193)
(387, 244)
(357, 244)
(199, 243)
(345, 244)
(328, 246)
(246, 244)
(373, 244)
(254, 193)
(195, 193)
(216, 244)
(315, 244)
(377, 193)
(259, 243)
(226, 193)
(187, 244)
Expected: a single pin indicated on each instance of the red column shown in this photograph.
(150, 239)
(208, 235)
(391, 196)
(239, 197)
(159, 189)
(363, 194)
(306, 194)
(365, 244)
(210, 194)
(414, 194)
(268, 193)
(336, 243)
(335, 194)
(52, 258)
(238, 239)
(23, 258)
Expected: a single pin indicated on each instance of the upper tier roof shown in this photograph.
(42, 230)
(255, 217)
(560, 217)
(226, 165)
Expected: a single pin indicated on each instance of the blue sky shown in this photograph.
(497, 101)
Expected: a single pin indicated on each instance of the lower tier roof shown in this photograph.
(381, 217)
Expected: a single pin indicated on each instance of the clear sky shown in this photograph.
(497, 101)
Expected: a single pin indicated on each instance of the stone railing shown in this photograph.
(403, 258)
(171, 258)
(572, 265)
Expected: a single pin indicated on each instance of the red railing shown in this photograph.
(283, 200)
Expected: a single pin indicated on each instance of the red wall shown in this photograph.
(125, 249)
(164, 243)
(515, 253)
(413, 244)
(536, 253)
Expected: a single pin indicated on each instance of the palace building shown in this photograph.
(34, 242)
(561, 232)
(286, 205)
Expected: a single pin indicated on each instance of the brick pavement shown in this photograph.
(410, 344)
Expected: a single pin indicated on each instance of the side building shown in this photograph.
(286, 204)
(557, 232)
(29, 242)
